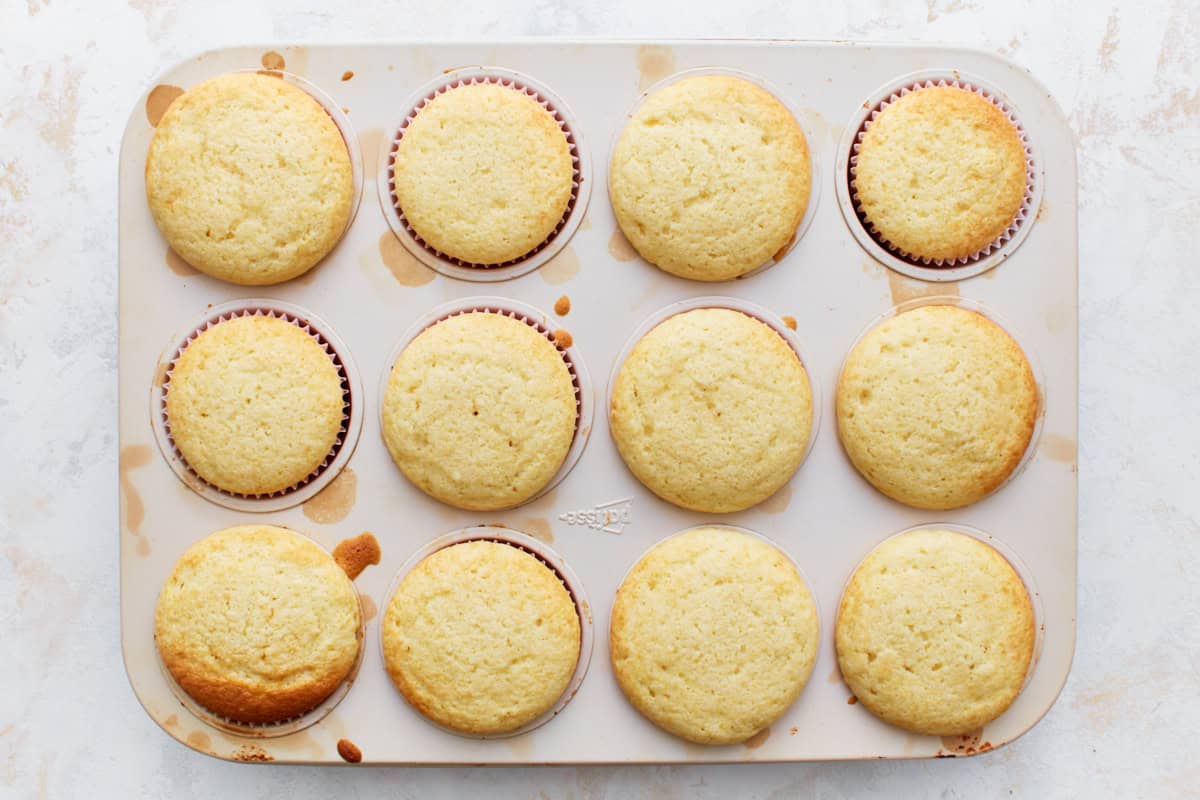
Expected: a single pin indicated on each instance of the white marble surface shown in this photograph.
(1128, 75)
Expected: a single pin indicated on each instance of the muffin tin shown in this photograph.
(599, 519)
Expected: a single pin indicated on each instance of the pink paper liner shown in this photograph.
(1025, 213)
(302, 324)
(545, 103)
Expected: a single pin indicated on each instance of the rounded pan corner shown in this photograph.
(1053, 108)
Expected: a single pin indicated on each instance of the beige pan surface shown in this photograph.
(599, 519)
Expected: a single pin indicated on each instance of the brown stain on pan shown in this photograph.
(904, 289)
(349, 751)
(620, 248)
(654, 62)
(355, 555)
(369, 141)
(759, 739)
(561, 268)
(585, 224)
(1059, 448)
(347, 75)
(334, 502)
(790, 321)
(200, 740)
(563, 338)
(851, 700)
(537, 527)
(369, 609)
(132, 457)
(273, 61)
(562, 306)
(159, 100)
(402, 264)
(176, 264)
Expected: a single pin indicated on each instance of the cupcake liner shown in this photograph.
(552, 561)
(272, 730)
(1016, 335)
(1002, 245)
(1004, 549)
(552, 244)
(814, 163)
(344, 126)
(753, 310)
(538, 320)
(343, 445)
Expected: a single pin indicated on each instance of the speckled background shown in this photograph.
(1128, 75)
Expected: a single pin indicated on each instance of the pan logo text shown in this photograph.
(611, 517)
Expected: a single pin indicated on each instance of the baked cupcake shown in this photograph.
(710, 177)
(481, 637)
(249, 179)
(483, 173)
(255, 405)
(712, 410)
(936, 406)
(258, 624)
(935, 633)
(940, 173)
(480, 411)
(713, 635)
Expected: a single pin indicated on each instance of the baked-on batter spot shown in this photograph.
(355, 555)
(200, 740)
(334, 502)
(180, 267)
(851, 700)
(369, 609)
(561, 268)
(347, 75)
(563, 339)
(402, 264)
(1059, 448)
(790, 321)
(620, 248)
(904, 289)
(654, 62)
(252, 752)
(369, 142)
(273, 61)
(171, 721)
(967, 744)
(347, 749)
(132, 456)
(759, 739)
(562, 306)
(159, 99)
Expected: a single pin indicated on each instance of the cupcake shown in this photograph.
(258, 624)
(940, 173)
(936, 406)
(255, 405)
(481, 637)
(713, 635)
(710, 178)
(483, 173)
(712, 410)
(479, 411)
(249, 179)
(935, 633)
